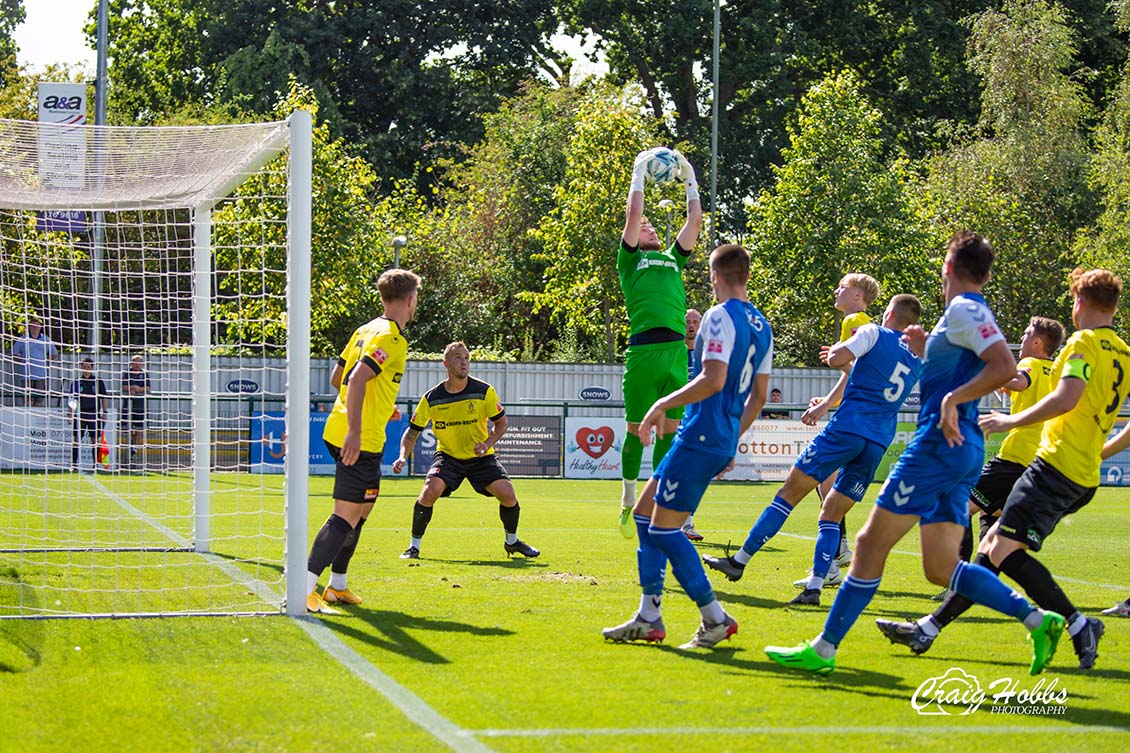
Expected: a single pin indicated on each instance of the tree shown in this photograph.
(349, 247)
(909, 56)
(837, 206)
(406, 80)
(1020, 177)
(1106, 243)
(12, 14)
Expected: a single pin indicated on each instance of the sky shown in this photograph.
(52, 33)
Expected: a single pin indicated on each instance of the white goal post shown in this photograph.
(154, 368)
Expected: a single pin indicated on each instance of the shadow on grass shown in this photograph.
(844, 678)
(511, 563)
(21, 641)
(728, 597)
(389, 631)
(264, 564)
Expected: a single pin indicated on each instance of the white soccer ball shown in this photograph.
(663, 167)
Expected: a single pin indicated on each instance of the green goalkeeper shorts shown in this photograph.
(650, 372)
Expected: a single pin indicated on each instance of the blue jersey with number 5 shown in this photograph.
(882, 376)
(737, 334)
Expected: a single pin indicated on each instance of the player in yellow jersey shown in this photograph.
(1032, 382)
(367, 378)
(853, 295)
(1091, 384)
(459, 408)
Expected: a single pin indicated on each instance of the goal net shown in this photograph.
(154, 368)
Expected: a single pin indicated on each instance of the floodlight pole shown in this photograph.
(398, 243)
(99, 235)
(714, 130)
(666, 205)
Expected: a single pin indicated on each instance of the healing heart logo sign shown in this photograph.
(595, 442)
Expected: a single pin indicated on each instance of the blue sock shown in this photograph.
(766, 527)
(982, 586)
(853, 597)
(650, 558)
(684, 563)
(827, 542)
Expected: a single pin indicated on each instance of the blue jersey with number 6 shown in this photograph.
(882, 376)
(737, 334)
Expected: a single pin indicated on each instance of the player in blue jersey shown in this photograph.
(852, 443)
(733, 357)
(966, 358)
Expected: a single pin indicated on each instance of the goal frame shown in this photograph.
(292, 601)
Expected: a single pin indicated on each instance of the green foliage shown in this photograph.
(349, 247)
(405, 81)
(12, 14)
(1021, 179)
(19, 90)
(1107, 242)
(837, 207)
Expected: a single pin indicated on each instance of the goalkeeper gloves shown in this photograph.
(639, 170)
(686, 174)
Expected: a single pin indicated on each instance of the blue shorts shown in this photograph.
(933, 480)
(856, 457)
(683, 476)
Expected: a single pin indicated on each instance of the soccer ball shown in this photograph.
(663, 167)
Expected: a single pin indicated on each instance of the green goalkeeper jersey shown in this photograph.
(652, 282)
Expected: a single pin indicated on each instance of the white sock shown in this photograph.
(815, 582)
(928, 626)
(628, 497)
(822, 647)
(689, 522)
(416, 542)
(713, 612)
(311, 582)
(337, 581)
(742, 557)
(650, 604)
(1034, 619)
(1077, 624)
(511, 538)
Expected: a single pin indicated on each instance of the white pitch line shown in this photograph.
(411, 705)
(814, 730)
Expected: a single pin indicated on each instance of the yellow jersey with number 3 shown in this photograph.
(1073, 441)
(1019, 445)
(852, 322)
(381, 346)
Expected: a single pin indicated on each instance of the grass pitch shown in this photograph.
(465, 649)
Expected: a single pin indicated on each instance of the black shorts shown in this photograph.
(83, 425)
(997, 479)
(135, 421)
(481, 472)
(1040, 499)
(360, 482)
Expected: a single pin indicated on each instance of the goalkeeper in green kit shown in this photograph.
(652, 280)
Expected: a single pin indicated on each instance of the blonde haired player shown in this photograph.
(367, 376)
(855, 293)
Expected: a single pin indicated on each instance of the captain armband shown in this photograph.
(1078, 368)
